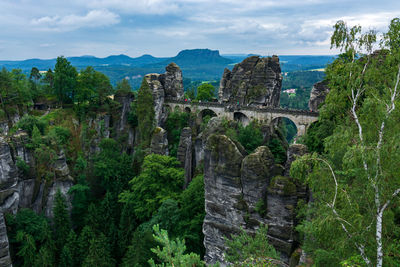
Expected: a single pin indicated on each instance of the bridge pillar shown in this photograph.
(301, 129)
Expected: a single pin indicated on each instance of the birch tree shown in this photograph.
(356, 182)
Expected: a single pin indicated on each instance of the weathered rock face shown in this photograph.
(169, 84)
(246, 191)
(154, 81)
(8, 170)
(119, 121)
(294, 151)
(18, 188)
(173, 81)
(254, 81)
(223, 193)
(159, 142)
(5, 259)
(185, 152)
(317, 95)
(63, 186)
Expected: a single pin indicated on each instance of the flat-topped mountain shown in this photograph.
(199, 56)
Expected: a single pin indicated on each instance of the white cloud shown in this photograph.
(94, 18)
(138, 6)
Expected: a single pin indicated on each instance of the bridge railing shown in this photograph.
(237, 108)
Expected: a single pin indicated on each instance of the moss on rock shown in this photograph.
(282, 185)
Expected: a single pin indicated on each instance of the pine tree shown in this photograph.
(45, 257)
(70, 252)
(61, 223)
(98, 254)
(27, 250)
(36, 137)
(85, 236)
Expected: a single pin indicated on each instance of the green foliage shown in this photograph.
(161, 179)
(15, 91)
(28, 123)
(132, 116)
(98, 254)
(61, 223)
(174, 124)
(80, 194)
(173, 252)
(244, 249)
(70, 252)
(206, 92)
(36, 137)
(139, 252)
(64, 82)
(123, 87)
(87, 234)
(112, 170)
(192, 214)
(27, 250)
(276, 148)
(60, 135)
(45, 158)
(22, 166)
(28, 233)
(359, 140)
(145, 113)
(250, 136)
(45, 257)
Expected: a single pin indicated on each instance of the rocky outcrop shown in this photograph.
(59, 185)
(294, 151)
(223, 195)
(173, 81)
(159, 142)
(246, 191)
(8, 170)
(123, 131)
(317, 95)
(18, 187)
(154, 81)
(254, 81)
(5, 259)
(168, 84)
(185, 152)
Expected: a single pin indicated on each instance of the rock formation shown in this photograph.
(154, 81)
(5, 259)
(254, 81)
(121, 125)
(169, 84)
(223, 195)
(173, 81)
(20, 189)
(246, 191)
(121, 121)
(159, 142)
(185, 152)
(317, 95)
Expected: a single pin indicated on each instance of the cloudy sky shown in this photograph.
(49, 28)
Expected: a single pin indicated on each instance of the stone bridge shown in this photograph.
(301, 118)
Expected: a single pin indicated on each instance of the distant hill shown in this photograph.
(199, 57)
(196, 64)
(82, 62)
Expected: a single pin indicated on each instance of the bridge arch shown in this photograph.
(187, 110)
(241, 117)
(292, 129)
(206, 112)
